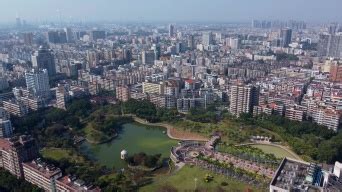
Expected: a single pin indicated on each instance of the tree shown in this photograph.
(55, 130)
(9, 182)
(55, 115)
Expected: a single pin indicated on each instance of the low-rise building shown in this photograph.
(300, 176)
(41, 174)
(294, 114)
(153, 88)
(50, 178)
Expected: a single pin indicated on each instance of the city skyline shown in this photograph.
(177, 11)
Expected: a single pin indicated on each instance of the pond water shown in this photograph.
(134, 138)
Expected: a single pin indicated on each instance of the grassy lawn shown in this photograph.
(58, 154)
(184, 181)
(277, 151)
(95, 136)
(232, 131)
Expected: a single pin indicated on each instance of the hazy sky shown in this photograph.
(172, 10)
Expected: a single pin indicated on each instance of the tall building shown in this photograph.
(28, 38)
(62, 95)
(179, 47)
(207, 38)
(330, 45)
(191, 42)
(37, 82)
(56, 37)
(127, 55)
(157, 51)
(44, 59)
(15, 151)
(96, 34)
(242, 99)
(148, 57)
(333, 28)
(4, 114)
(171, 30)
(285, 37)
(234, 43)
(6, 129)
(18, 22)
(69, 35)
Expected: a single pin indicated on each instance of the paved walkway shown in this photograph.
(275, 145)
(187, 135)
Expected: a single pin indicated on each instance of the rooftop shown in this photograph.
(47, 170)
(296, 176)
(74, 184)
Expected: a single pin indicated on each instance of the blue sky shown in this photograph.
(172, 10)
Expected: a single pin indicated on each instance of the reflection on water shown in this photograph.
(134, 138)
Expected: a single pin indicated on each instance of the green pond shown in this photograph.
(134, 138)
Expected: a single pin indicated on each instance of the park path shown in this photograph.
(172, 132)
(275, 145)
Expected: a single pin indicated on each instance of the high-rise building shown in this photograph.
(171, 30)
(37, 82)
(96, 34)
(234, 43)
(127, 55)
(62, 95)
(333, 28)
(28, 38)
(69, 35)
(15, 151)
(330, 45)
(207, 38)
(179, 47)
(191, 42)
(4, 114)
(285, 37)
(6, 129)
(52, 36)
(56, 37)
(18, 22)
(44, 59)
(157, 51)
(242, 99)
(148, 57)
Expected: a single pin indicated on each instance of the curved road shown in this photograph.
(169, 128)
(275, 145)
